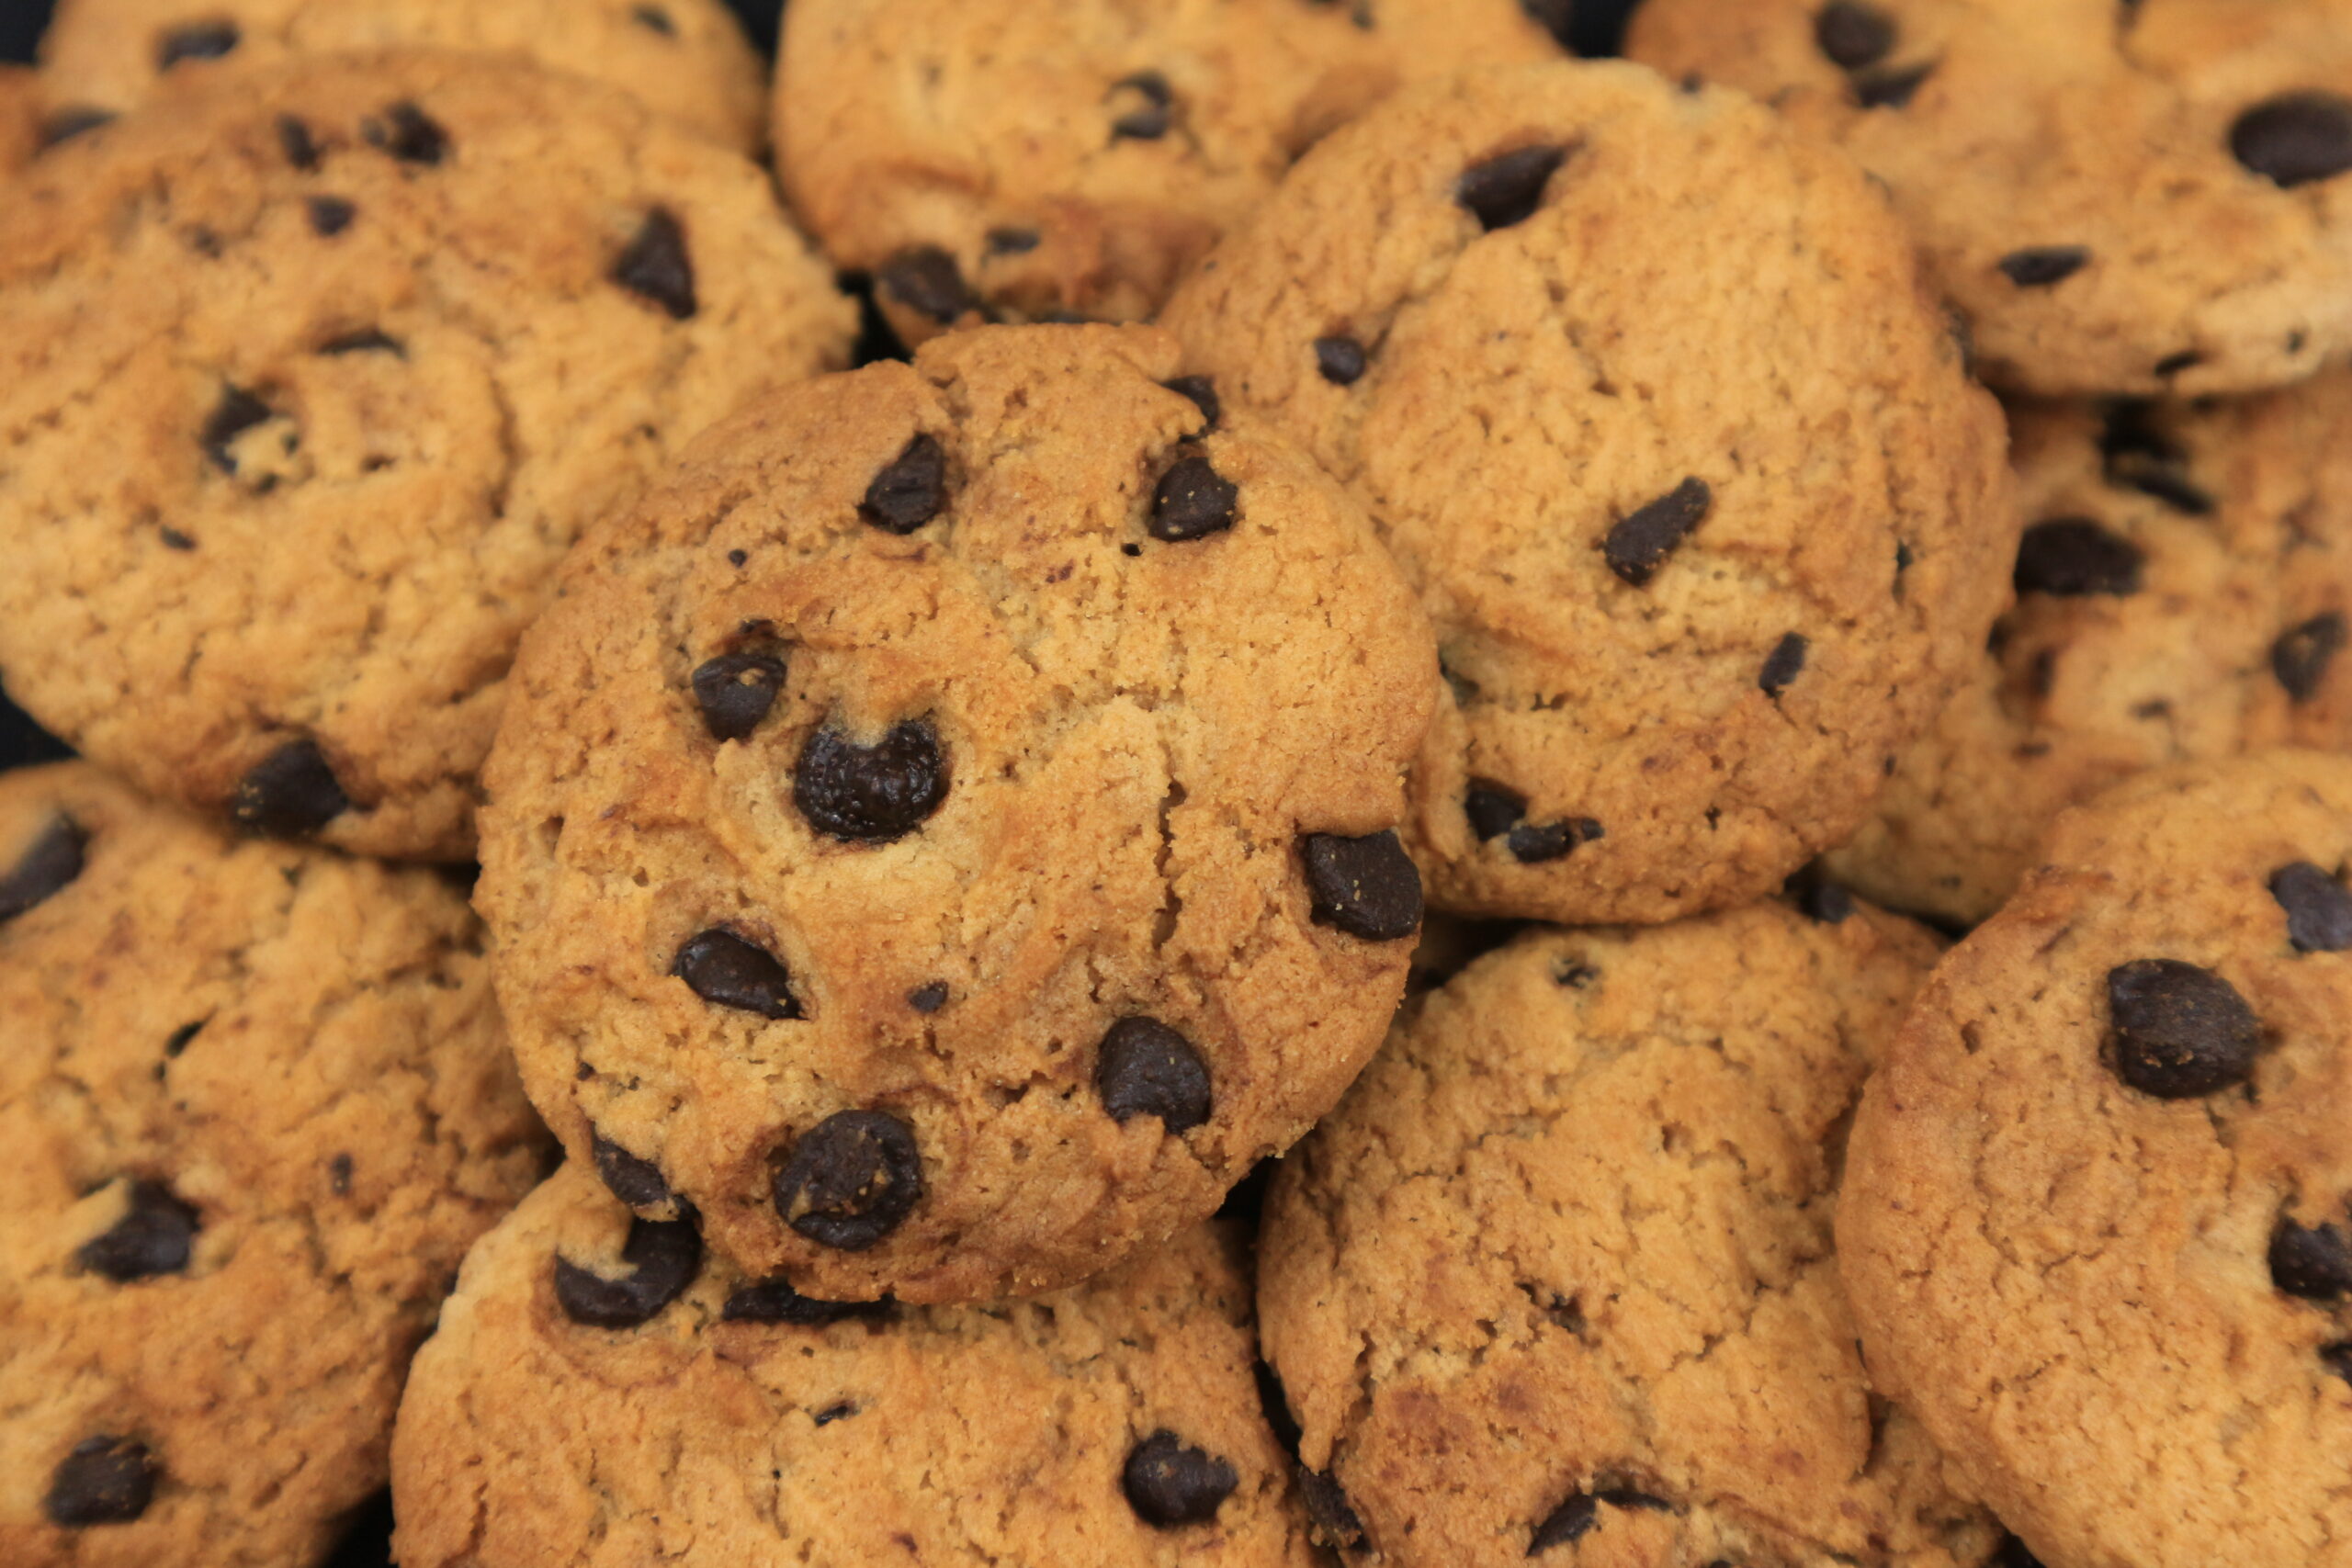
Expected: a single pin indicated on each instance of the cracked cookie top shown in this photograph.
(2119, 197)
(255, 1105)
(1643, 391)
(687, 59)
(1557, 1280)
(947, 832)
(2094, 1222)
(2183, 586)
(308, 377)
(600, 1394)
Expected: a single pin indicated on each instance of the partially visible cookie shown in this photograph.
(601, 1394)
(2093, 1222)
(2183, 589)
(310, 377)
(687, 59)
(1643, 390)
(255, 1105)
(1031, 159)
(2121, 198)
(947, 832)
(1557, 1281)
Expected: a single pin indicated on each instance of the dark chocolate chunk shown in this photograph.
(656, 265)
(1339, 359)
(2303, 653)
(1203, 391)
(851, 1179)
(1893, 89)
(871, 794)
(237, 411)
(197, 41)
(181, 1037)
(1641, 541)
(2076, 557)
(66, 124)
(1170, 1484)
(1506, 190)
(295, 141)
(2043, 265)
(407, 133)
(2138, 455)
(174, 539)
(155, 1235)
(368, 340)
(637, 1182)
(105, 1480)
(2179, 1031)
(1329, 1515)
(927, 279)
(655, 19)
(910, 490)
(928, 998)
(724, 968)
(663, 1257)
(2319, 909)
(2314, 1263)
(1853, 36)
(330, 215)
(1144, 1068)
(290, 793)
(2295, 137)
(735, 691)
(1817, 896)
(1192, 501)
(339, 1174)
(1150, 107)
(1013, 242)
(1532, 843)
(1493, 808)
(833, 1413)
(1571, 1522)
(1366, 886)
(48, 866)
(775, 1301)
(1782, 665)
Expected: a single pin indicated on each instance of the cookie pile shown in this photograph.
(1411, 836)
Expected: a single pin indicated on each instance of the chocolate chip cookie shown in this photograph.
(2121, 198)
(2094, 1222)
(1641, 389)
(948, 832)
(2182, 592)
(309, 376)
(1557, 1280)
(688, 59)
(255, 1105)
(602, 1392)
(1037, 159)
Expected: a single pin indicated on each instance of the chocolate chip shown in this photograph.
(928, 998)
(367, 340)
(1170, 1485)
(1853, 36)
(197, 41)
(833, 1413)
(663, 1256)
(871, 794)
(2137, 455)
(1533, 843)
(2179, 1031)
(1506, 190)
(656, 265)
(68, 123)
(105, 1480)
(237, 411)
(2337, 1358)
(735, 692)
(1203, 391)
(1817, 896)
(1493, 808)
(636, 1182)
(927, 279)
(2076, 557)
(2172, 365)
(910, 490)
(1144, 1068)
(1192, 501)
(1149, 120)
(1366, 886)
(775, 1301)
(1642, 540)
(2319, 910)
(179, 1038)
(1341, 360)
(2044, 264)
(290, 793)
(2012, 1553)
(2303, 653)
(153, 1236)
(1330, 1517)
(851, 1179)
(1782, 665)
(1013, 242)
(654, 18)
(295, 141)
(407, 133)
(330, 215)
(339, 1174)
(723, 968)
(1892, 89)
(49, 864)
(2295, 137)
(1572, 1520)
(2314, 1263)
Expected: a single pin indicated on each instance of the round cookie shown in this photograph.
(2093, 1220)
(1556, 1282)
(2119, 198)
(1642, 389)
(600, 1395)
(2183, 586)
(255, 1104)
(687, 59)
(310, 377)
(947, 831)
(1035, 159)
